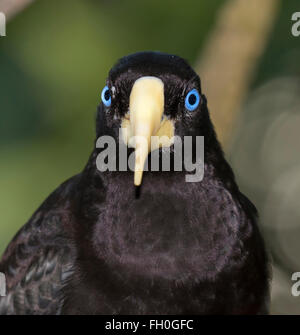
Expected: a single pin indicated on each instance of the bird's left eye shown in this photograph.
(192, 100)
(106, 97)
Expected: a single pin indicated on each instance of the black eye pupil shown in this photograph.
(106, 95)
(192, 99)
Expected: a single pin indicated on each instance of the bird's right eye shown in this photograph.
(192, 100)
(106, 96)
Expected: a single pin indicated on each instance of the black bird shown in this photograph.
(111, 242)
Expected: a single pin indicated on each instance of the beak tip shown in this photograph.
(138, 178)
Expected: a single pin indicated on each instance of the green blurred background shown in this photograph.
(53, 65)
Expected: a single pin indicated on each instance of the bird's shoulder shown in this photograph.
(40, 257)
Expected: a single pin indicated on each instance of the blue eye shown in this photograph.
(192, 100)
(106, 97)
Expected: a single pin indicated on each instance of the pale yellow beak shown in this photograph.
(145, 119)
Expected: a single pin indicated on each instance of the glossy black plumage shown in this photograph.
(97, 247)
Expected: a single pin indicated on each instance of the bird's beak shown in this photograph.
(145, 119)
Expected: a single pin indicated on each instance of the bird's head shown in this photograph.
(152, 94)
